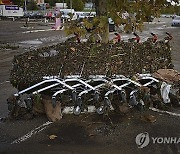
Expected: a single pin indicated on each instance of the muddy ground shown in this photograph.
(87, 133)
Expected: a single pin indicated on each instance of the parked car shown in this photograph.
(27, 15)
(166, 15)
(111, 25)
(176, 21)
(66, 12)
(36, 15)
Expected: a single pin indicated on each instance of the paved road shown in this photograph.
(13, 32)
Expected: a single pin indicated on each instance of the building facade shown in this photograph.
(6, 2)
(39, 2)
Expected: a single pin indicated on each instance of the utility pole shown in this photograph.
(71, 5)
(25, 6)
(63, 4)
(44, 8)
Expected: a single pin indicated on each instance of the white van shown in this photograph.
(82, 15)
(11, 11)
(65, 13)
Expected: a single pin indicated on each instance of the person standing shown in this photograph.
(57, 25)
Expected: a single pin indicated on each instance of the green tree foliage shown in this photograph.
(31, 5)
(53, 2)
(77, 5)
(74, 27)
(18, 2)
(139, 11)
(171, 10)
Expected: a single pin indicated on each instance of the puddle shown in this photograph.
(125, 38)
(33, 42)
(144, 39)
(35, 31)
(155, 23)
(171, 27)
(162, 27)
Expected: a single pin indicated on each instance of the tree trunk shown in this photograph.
(105, 34)
(101, 11)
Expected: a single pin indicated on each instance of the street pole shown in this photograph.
(63, 4)
(25, 6)
(71, 5)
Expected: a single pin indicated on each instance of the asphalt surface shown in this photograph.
(88, 133)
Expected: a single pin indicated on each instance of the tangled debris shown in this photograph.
(168, 75)
(85, 59)
(68, 75)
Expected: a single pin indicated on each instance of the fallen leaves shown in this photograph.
(73, 49)
(148, 118)
(124, 58)
(52, 137)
